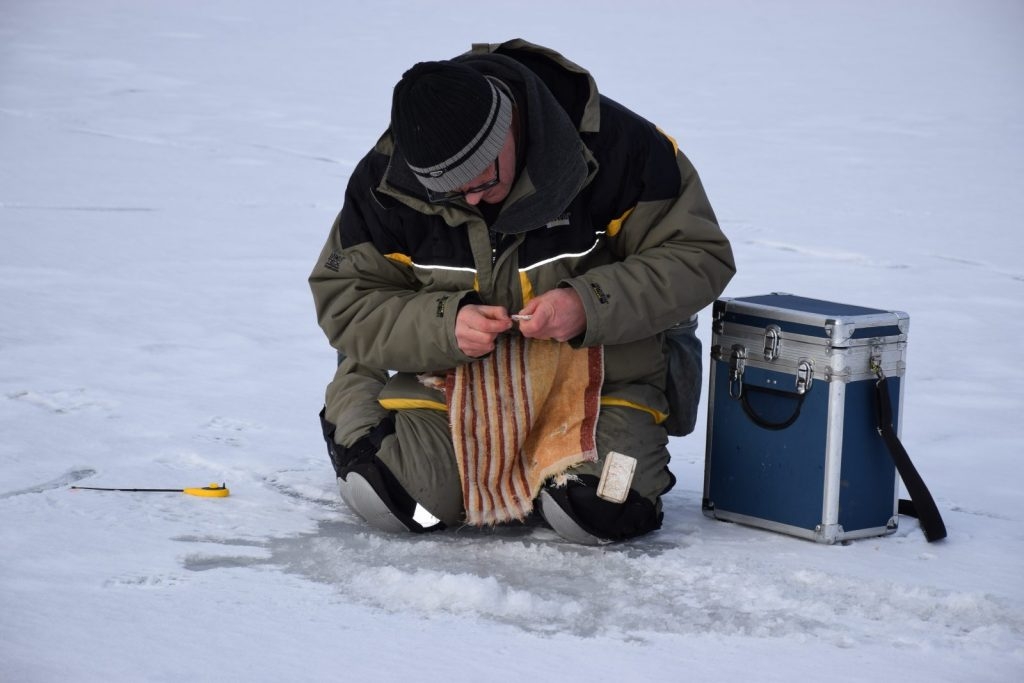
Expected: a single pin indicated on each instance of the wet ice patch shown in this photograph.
(524, 578)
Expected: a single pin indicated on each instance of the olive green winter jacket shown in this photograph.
(603, 202)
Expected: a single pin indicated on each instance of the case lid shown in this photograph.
(835, 323)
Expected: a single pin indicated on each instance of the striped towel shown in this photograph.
(524, 413)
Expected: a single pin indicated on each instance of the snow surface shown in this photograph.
(168, 173)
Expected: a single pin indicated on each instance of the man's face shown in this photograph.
(505, 167)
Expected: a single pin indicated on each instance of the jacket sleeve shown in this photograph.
(371, 307)
(673, 259)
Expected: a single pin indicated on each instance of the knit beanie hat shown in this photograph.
(449, 121)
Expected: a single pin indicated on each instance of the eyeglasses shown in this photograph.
(438, 197)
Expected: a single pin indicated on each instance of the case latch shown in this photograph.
(772, 339)
(804, 376)
(875, 362)
(737, 361)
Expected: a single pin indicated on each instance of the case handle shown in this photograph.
(763, 422)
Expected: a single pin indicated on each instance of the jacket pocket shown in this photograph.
(683, 376)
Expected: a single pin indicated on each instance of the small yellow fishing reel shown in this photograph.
(214, 490)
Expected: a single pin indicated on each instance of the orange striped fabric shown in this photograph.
(524, 413)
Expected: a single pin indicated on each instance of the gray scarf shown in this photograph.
(556, 158)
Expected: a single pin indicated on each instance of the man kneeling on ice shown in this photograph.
(512, 287)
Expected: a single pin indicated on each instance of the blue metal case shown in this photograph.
(792, 438)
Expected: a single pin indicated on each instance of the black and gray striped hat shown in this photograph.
(449, 122)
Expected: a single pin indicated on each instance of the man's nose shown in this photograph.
(474, 198)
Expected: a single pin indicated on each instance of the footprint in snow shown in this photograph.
(63, 402)
(227, 430)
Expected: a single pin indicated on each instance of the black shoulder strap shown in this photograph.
(921, 504)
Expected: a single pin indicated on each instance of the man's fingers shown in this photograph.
(492, 319)
(477, 327)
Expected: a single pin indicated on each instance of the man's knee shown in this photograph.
(367, 485)
(405, 460)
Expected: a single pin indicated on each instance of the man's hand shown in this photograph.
(557, 314)
(476, 328)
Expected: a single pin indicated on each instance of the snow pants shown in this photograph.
(420, 455)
